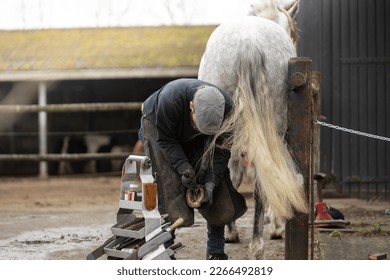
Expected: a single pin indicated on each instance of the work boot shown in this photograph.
(218, 256)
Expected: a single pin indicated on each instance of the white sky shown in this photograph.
(36, 14)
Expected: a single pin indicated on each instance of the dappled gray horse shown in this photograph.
(248, 58)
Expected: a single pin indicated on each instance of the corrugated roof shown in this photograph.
(106, 48)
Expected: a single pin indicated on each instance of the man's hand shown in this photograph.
(208, 196)
(188, 178)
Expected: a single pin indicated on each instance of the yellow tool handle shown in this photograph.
(175, 225)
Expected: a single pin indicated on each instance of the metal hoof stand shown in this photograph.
(140, 231)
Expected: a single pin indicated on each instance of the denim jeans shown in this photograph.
(215, 239)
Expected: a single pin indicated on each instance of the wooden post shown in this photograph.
(299, 138)
(42, 118)
(316, 195)
(315, 191)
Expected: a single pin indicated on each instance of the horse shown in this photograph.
(248, 58)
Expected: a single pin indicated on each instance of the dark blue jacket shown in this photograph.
(183, 146)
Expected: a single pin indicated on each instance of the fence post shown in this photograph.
(42, 116)
(316, 188)
(315, 87)
(299, 138)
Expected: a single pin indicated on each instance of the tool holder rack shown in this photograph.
(130, 212)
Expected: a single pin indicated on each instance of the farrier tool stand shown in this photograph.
(140, 231)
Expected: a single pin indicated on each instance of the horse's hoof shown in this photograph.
(232, 239)
(276, 236)
(256, 249)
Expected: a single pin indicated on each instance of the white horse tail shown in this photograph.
(255, 127)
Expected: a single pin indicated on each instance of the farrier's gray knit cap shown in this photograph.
(209, 106)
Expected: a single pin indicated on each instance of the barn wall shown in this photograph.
(349, 43)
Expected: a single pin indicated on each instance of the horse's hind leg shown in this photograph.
(256, 247)
(236, 175)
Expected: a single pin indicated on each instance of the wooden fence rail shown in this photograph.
(42, 109)
(67, 108)
(62, 157)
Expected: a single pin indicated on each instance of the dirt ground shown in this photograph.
(67, 218)
(55, 218)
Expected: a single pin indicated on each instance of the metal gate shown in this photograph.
(349, 43)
